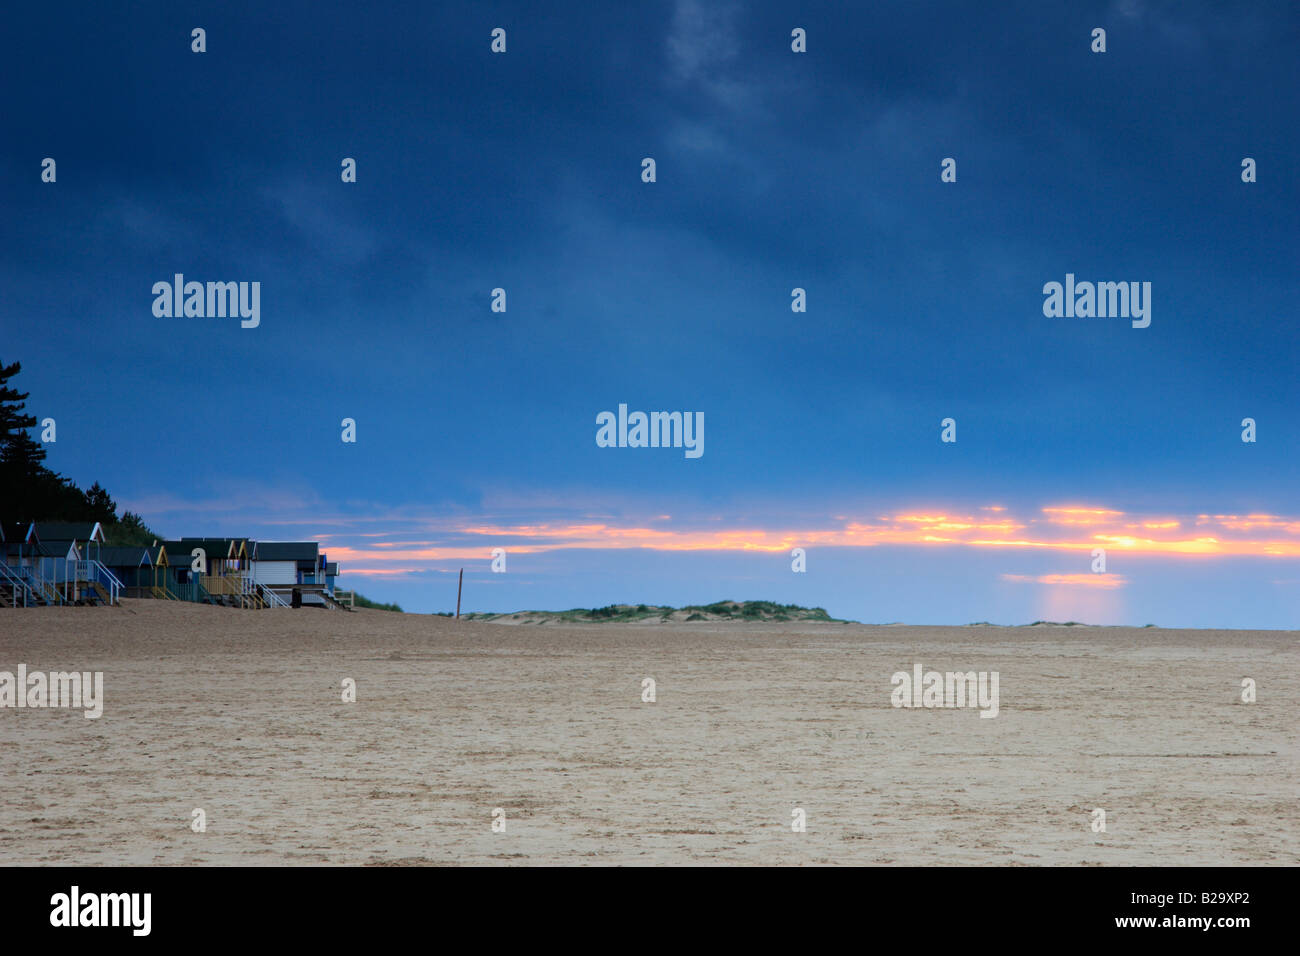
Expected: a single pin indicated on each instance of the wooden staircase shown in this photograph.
(14, 590)
(333, 603)
(101, 592)
(226, 589)
(46, 592)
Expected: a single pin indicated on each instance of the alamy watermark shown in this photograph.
(76, 908)
(213, 300)
(951, 689)
(655, 430)
(1102, 300)
(75, 689)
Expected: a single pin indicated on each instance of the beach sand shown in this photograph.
(240, 713)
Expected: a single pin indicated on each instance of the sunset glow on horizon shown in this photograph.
(1256, 535)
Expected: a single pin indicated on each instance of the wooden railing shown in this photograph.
(18, 586)
(223, 584)
(270, 597)
(48, 588)
(93, 572)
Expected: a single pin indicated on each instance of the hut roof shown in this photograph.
(55, 548)
(301, 551)
(70, 530)
(125, 557)
(230, 547)
(215, 548)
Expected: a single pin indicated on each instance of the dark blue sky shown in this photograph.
(775, 170)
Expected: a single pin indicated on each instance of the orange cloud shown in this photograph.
(1065, 529)
(1087, 517)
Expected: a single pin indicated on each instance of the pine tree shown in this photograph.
(15, 444)
(29, 491)
(99, 506)
(22, 456)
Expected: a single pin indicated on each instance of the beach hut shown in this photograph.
(159, 577)
(235, 581)
(225, 555)
(57, 565)
(174, 579)
(222, 579)
(74, 568)
(58, 561)
(132, 565)
(179, 559)
(216, 552)
(87, 535)
(25, 560)
(71, 561)
(14, 589)
(288, 566)
(239, 568)
(177, 579)
(15, 541)
(285, 563)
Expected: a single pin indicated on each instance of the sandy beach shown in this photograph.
(240, 713)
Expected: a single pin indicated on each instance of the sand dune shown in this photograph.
(240, 713)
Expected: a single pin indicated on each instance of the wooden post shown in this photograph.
(459, 582)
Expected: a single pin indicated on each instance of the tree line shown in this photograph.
(30, 491)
